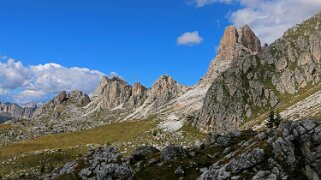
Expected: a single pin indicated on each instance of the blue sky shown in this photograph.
(44, 42)
(136, 39)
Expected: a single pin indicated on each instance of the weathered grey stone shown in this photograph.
(103, 163)
(172, 151)
(179, 171)
(265, 175)
(141, 152)
(281, 64)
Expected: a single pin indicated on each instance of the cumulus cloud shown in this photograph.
(27, 96)
(3, 91)
(189, 38)
(12, 74)
(54, 77)
(24, 84)
(270, 18)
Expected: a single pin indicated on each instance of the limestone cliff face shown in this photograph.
(64, 105)
(163, 90)
(166, 96)
(264, 80)
(234, 44)
(248, 38)
(14, 111)
(138, 96)
(116, 93)
(112, 92)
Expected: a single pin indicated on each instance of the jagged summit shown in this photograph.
(164, 89)
(248, 38)
(234, 44)
(111, 93)
(235, 39)
(63, 105)
(10, 111)
(276, 77)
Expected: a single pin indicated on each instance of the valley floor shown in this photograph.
(46, 153)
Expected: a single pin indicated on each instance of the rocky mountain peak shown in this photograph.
(60, 98)
(138, 89)
(227, 44)
(164, 79)
(234, 44)
(116, 78)
(104, 80)
(234, 37)
(62, 105)
(248, 38)
(163, 90)
(165, 84)
(110, 93)
(10, 111)
(265, 80)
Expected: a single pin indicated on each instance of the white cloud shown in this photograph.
(54, 77)
(23, 84)
(27, 96)
(3, 91)
(114, 74)
(189, 38)
(269, 18)
(12, 74)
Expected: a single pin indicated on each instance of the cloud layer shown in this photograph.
(22, 84)
(269, 18)
(189, 38)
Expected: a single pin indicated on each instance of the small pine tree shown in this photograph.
(270, 121)
(274, 120)
(42, 168)
(277, 120)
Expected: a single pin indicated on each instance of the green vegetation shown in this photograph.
(42, 162)
(190, 164)
(49, 152)
(286, 100)
(33, 156)
(274, 120)
(308, 26)
(190, 132)
(5, 126)
(116, 132)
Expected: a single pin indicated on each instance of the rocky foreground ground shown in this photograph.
(291, 151)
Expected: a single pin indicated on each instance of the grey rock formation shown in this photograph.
(172, 151)
(139, 95)
(64, 105)
(292, 151)
(112, 93)
(115, 93)
(158, 97)
(141, 152)
(287, 154)
(103, 163)
(260, 78)
(234, 43)
(9, 111)
(163, 90)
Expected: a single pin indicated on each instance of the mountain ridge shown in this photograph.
(264, 81)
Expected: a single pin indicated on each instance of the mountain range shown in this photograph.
(244, 83)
